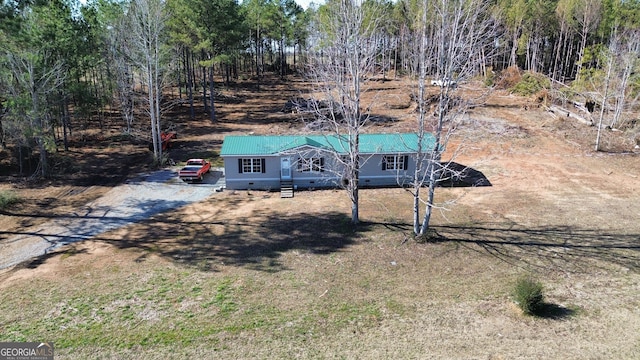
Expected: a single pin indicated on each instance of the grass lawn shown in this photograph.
(250, 275)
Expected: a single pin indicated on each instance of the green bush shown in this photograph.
(528, 295)
(7, 198)
(531, 83)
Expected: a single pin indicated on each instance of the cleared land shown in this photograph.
(250, 275)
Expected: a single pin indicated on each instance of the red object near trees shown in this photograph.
(194, 170)
(166, 138)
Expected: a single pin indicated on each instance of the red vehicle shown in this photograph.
(194, 170)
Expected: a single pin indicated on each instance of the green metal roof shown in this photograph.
(244, 145)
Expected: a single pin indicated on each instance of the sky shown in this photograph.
(305, 3)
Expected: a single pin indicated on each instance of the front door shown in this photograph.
(285, 168)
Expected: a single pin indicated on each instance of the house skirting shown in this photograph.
(273, 184)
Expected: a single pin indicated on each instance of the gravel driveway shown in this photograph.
(136, 200)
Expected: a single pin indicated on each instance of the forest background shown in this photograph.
(66, 63)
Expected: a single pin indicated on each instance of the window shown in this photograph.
(314, 164)
(395, 162)
(251, 166)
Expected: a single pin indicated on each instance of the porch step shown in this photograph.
(286, 189)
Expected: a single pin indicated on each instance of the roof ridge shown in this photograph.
(236, 145)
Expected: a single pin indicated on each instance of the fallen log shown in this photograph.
(562, 112)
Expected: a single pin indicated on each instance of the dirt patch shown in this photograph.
(125, 204)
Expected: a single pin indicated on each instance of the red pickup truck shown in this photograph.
(194, 170)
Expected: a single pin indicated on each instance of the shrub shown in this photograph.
(508, 78)
(528, 295)
(490, 78)
(7, 198)
(531, 83)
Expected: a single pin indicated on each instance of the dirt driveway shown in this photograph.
(131, 202)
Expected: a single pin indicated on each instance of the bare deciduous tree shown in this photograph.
(587, 15)
(628, 64)
(147, 52)
(620, 61)
(118, 42)
(456, 38)
(343, 62)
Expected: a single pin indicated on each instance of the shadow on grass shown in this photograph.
(554, 312)
(64, 253)
(563, 247)
(257, 242)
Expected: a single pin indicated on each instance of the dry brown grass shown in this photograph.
(248, 275)
(508, 78)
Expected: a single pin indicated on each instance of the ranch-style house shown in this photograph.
(277, 162)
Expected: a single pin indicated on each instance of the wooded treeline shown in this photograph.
(64, 63)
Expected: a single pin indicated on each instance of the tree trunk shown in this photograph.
(44, 166)
(258, 51)
(421, 125)
(205, 98)
(426, 221)
(514, 47)
(604, 100)
(583, 45)
(189, 77)
(355, 178)
(283, 59)
(211, 92)
(434, 162)
(65, 123)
